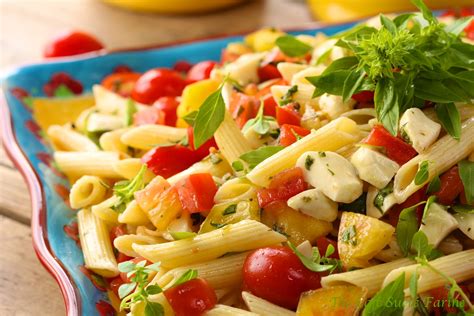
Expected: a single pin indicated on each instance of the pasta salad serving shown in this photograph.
(300, 175)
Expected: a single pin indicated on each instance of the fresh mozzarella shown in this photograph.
(243, 70)
(257, 140)
(304, 94)
(334, 106)
(466, 224)
(437, 224)
(288, 70)
(331, 173)
(418, 130)
(314, 203)
(373, 167)
(379, 201)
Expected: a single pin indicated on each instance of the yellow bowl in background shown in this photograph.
(347, 10)
(174, 6)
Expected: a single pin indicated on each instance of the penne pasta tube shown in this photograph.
(86, 191)
(440, 156)
(224, 310)
(128, 168)
(104, 210)
(371, 278)
(331, 137)
(149, 136)
(124, 243)
(66, 139)
(96, 245)
(243, 236)
(263, 307)
(219, 273)
(110, 141)
(133, 215)
(77, 164)
(458, 266)
(230, 139)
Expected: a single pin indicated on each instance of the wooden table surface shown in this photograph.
(25, 25)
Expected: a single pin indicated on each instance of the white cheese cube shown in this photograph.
(373, 167)
(331, 173)
(418, 130)
(379, 201)
(314, 203)
(437, 224)
(244, 69)
(334, 106)
(466, 224)
(304, 94)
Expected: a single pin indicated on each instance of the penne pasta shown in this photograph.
(77, 164)
(86, 191)
(104, 210)
(110, 141)
(224, 310)
(264, 308)
(149, 136)
(133, 215)
(243, 236)
(66, 139)
(124, 243)
(128, 168)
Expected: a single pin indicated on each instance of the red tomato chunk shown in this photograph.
(168, 161)
(200, 71)
(288, 114)
(193, 297)
(289, 132)
(196, 193)
(451, 186)
(157, 83)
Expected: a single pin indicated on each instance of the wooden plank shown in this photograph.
(27, 289)
(14, 196)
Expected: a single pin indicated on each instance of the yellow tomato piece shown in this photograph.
(297, 226)
(59, 111)
(263, 39)
(361, 237)
(193, 96)
(341, 300)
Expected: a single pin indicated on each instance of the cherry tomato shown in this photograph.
(396, 148)
(451, 186)
(121, 83)
(115, 284)
(288, 134)
(288, 114)
(277, 275)
(157, 83)
(168, 161)
(196, 192)
(193, 297)
(268, 72)
(283, 186)
(104, 308)
(243, 107)
(117, 231)
(70, 43)
(62, 79)
(364, 96)
(201, 71)
(323, 243)
(149, 115)
(202, 151)
(168, 105)
(182, 66)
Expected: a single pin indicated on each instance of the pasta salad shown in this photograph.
(300, 175)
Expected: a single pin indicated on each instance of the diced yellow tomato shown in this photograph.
(263, 39)
(193, 96)
(341, 300)
(297, 226)
(360, 238)
(148, 197)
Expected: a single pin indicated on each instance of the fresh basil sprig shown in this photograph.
(450, 119)
(124, 190)
(392, 292)
(317, 263)
(422, 174)
(291, 46)
(407, 226)
(261, 123)
(254, 157)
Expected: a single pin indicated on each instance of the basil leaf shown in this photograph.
(463, 209)
(427, 14)
(407, 226)
(352, 84)
(466, 172)
(238, 165)
(126, 289)
(422, 174)
(231, 209)
(126, 266)
(358, 206)
(388, 24)
(331, 83)
(209, 117)
(154, 309)
(292, 47)
(435, 91)
(190, 117)
(386, 104)
(182, 235)
(392, 292)
(434, 185)
(459, 25)
(344, 63)
(153, 289)
(253, 158)
(430, 201)
(414, 285)
(420, 244)
(402, 20)
(187, 276)
(313, 263)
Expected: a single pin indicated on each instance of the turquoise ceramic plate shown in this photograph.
(52, 219)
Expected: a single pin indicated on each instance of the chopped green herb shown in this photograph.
(130, 110)
(422, 174)
(381, 195)
(288, 97)
(292, 47)
(308, 162)
(238, 166)
(317, 263)
(182, 235)
(349, 235)
(434, 185)
(124, 190)
(322, 154)
(231, 209)
(217, 225)
(306, 199)
(358, 206)
(261, 123)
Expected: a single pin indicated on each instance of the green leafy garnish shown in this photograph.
(407, 226)
(182, 235)
(231, 209)
(463, 209)
(349, 235)
(422, 248)
(308, 162)
(288, 97)
(254, 157)
(392, 292)
(261, 123)
(238, 165)
(190, 118)
(187, 276)
(466, 172)
(124, 190)
(291, 46)
(450, 119)
(357, 206)
(381, 195)
(434, 185)
(428, 204)
(317, 263)
(130, 110)
(139, 289)
(422, 174)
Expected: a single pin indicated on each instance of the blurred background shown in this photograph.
(25, 27)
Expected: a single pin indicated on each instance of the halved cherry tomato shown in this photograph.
(200, 71)
(117, 231)
(277, 275)
(121, 83)
(288, 134)
(168, 161)
(157, 83)
(193, 297)
(395, 148)
(182, 66)
(202, 151)
(70, 43)
(288, 114)
(283, 186)
(269, 105)
(451, 186)
(243, 107)
(62, 79)
(268, 72)
(196, 192)
(267, 89)
(323, 243)
(168, 106)
(364, 96)
(149, 115)
(115, 284)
